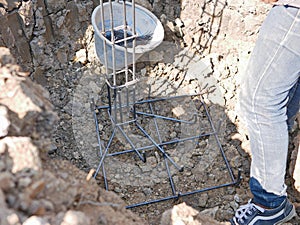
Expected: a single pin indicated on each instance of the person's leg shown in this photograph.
(272, 73)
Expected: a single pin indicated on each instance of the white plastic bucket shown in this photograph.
(145, 23)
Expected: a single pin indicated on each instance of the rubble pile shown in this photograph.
(35, 189)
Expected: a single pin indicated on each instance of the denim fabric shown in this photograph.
(269, 98)
(295, 3)
(262, 197)
(293, 104)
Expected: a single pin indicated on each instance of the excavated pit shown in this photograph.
(206, 48)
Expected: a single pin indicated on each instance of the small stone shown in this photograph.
(202, 200)
(13, 219)
(6, 181)
(63, 175)
(234, 205)
(178, 111)
(146, 168)
(210, 212)
(24, 182)
(147, 191)
(237, 198)
(34, 220)
(25, 202)
(36, 208)
(60, 21)
(76, 155)
(36, 188)
(179, 22)
(176, 159)
(11, 200)
(118, 190)
(81, 56)
(173, 135)
(152, 161)
(143, 71)
(52, 148)
(75, 218)
(47, 205)
(188, 173)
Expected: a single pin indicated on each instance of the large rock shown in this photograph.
(25, 107)
(5, 123)
(24, 153)
(183, 214)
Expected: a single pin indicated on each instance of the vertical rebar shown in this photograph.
(127, 97)
(125, 40)
(115, 106)
(120, 106)
(134, 39)
(133, 94)
(103, 30)
(113, 47)
(109, 98)
(126, 50)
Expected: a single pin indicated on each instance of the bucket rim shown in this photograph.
(140, 49)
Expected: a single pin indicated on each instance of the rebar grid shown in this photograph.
(123, 112)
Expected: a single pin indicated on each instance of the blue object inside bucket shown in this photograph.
(119, 36)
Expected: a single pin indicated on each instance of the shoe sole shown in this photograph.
(290, 216)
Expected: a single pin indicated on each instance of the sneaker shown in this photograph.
(252, 214)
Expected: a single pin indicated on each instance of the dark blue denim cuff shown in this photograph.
(262, 197)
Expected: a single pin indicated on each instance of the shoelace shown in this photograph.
(245, 211)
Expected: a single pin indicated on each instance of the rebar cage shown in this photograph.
(127, 117)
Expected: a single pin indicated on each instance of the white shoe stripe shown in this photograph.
(266, 218)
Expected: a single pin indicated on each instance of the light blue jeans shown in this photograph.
(269, 101)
